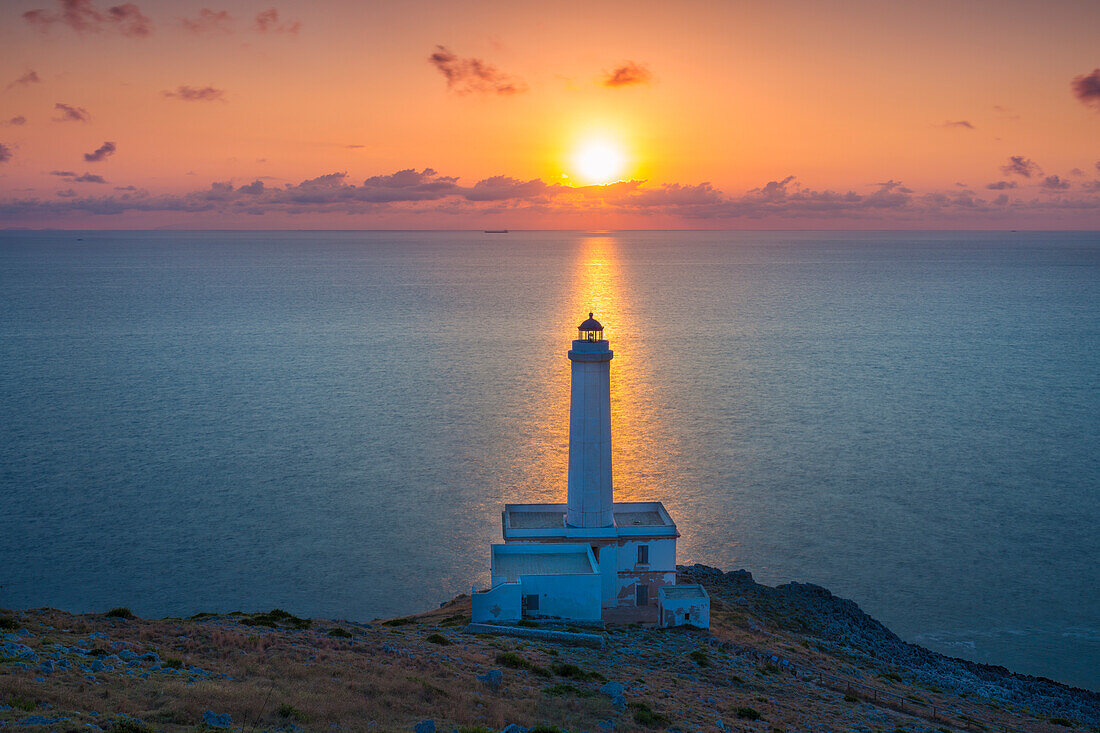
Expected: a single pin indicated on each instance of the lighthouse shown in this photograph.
(590, 559)
(590, 501)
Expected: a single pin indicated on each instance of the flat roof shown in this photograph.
(632, 518)
(536, 560)
(537, 519)
(542, 518)
(682, 591)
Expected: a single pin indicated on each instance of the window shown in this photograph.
(643, 554)
(532, 602)
(642, 592)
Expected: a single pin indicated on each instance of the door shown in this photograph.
(642, 597)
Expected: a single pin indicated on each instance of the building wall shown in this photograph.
(619, 571)
(502, 602)
(661, 570)
(565, 596)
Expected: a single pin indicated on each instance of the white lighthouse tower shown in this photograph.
(590, 501)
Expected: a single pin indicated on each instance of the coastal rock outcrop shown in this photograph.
(813, 611)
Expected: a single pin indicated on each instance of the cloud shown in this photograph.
(1087, 88)
(17, 120)
(193, 94)
(268, 22)
(208, 21)
(31, 77)
(964, 124)
(469, 75)
(68, 113)
(1000, 185)
(417, 192)
(1054, 183)
(72, 176)
(503, 188)
(627, 74)
(101, 153)
(1018, 165)
(5, 153)
(130, 20)
(84, 17)
(67, 193)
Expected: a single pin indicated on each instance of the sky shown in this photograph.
(344, 114)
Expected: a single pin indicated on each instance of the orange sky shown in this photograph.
(935, 97)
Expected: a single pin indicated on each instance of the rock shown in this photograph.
(619, 703)
(606, 725)
(612, 689)
(41, 720)
(492, 678)
(425, 726)
(513, 728)
(217, 721)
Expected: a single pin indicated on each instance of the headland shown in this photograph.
(789, 658)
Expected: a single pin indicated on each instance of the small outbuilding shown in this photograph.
(683, 605)
(551, 581)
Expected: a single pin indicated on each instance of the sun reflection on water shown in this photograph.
(600, 286)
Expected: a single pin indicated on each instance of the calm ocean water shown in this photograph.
(330, 422)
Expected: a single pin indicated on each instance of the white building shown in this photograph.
(556, 554)
(683, 605)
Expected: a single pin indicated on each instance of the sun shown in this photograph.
(599, 161)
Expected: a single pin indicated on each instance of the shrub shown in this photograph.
(201, 615)
(515, 661)
(561, 690)
(276, 618)
(747, 713)
(540, 728)
(525, 623)
(291, 713)
(849, 697)
(21, 703)
(439, 639)
(892, 676)
(172, 663)
(340, 633)
(1066, 722)
(8, 623)
(398, 622)
(574, 672)
(644, 716)
(474, 729)
(120, 612)
(700, 657)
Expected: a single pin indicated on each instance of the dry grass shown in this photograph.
(384, 678)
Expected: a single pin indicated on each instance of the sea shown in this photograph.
(330, 422)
